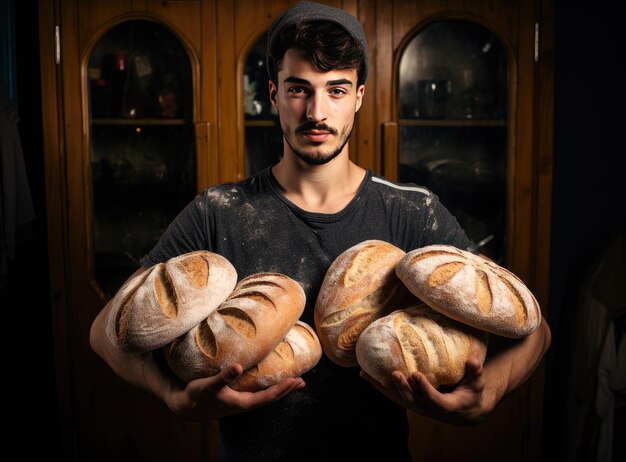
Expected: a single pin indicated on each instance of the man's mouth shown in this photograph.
(316, 136)
(316, 133)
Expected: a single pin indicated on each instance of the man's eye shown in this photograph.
(296, 90)
(338, 91)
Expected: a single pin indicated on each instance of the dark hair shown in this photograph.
(326, 45)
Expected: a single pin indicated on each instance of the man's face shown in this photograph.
(316, 109)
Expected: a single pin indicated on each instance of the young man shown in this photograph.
(295, 218)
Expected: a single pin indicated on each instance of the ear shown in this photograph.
(360, 92)
(273, 90)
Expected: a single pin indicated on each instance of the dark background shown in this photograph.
(587, 210)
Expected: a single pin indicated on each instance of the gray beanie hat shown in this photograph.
(317, 11)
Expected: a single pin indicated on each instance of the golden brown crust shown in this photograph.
(419, 339)
(359, 287)
(470, 289)
(167, 300)
(244, 329)
(296, 354)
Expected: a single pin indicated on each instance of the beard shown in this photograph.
(315, 157)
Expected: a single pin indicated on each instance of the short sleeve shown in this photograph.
(188, 232)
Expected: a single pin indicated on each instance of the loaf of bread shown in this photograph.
(470, 289)
(359, 286)
(419, 339)
(168, 299)
(296, 354)
(244, 329)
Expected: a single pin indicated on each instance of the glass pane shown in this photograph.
(143, 168)
(453, 132)
(453, 69)
(263, 138)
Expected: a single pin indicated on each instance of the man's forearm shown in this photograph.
(510, 366)
(139, 369)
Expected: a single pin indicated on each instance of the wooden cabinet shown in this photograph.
(90, 148)
(219, 135)
(437, 43)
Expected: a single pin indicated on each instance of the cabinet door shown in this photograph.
(141, 144)
(452, 125)
(133, 139)
(459, 118)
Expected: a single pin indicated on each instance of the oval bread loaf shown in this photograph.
(168, 299)
(419, 339)
(296, 354)
(470, 289)
(244, 329)
(359, 286)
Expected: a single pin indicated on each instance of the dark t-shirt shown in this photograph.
(338, 415)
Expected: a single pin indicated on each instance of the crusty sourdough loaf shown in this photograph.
(296, 354)
(168, 299)
(419, 339)
(470, 289)
(244, 329)
(359, 286)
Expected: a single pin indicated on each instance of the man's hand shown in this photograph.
(509, 363)
(463, 405)
(211, 397)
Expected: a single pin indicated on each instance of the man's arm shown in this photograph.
(200, 399)
(508, 365)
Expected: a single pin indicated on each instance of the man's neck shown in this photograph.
(326, 188)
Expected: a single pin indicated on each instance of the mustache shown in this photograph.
(315, 126)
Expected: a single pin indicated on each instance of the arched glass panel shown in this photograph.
(263, 138)
(452, 103)
(142, 148)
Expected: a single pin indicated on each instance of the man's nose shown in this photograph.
(316, 108)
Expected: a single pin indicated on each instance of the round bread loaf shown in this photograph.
(244, 329)
(419, 339)
(296, 354)
(470, 289)
(168, 299)
(359, 286)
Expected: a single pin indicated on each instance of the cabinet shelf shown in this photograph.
(260, 123)
(452, 122)
(145, 122)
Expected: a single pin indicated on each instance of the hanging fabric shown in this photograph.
(16, 207)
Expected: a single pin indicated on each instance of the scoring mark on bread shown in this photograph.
(521, 315)
(372, 302)
(428, 254)
(361, 265)
(205, 339)
(304, 333)
(347, 339)
(424, 343)
(443, 273)
(196, 268)
(255, 296)
(122, 317)
(427, 341)
(238, 320)
(285, 351)
(411, 345)
(257, 282)
(484, 297)
(165, 293)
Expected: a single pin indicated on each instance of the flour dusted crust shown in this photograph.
(419, 339)
(359, 286)
(168, 299)
(296, 354)
(470, 289)
(244, 329)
